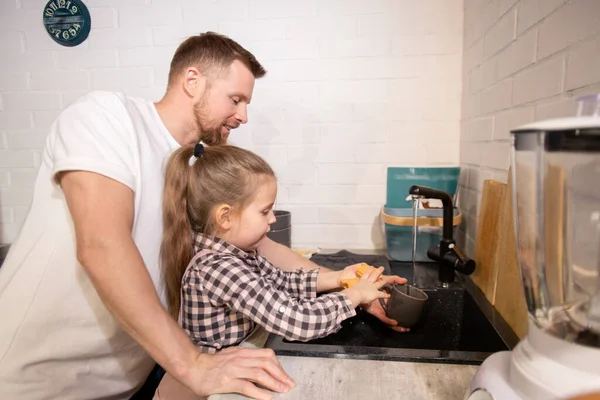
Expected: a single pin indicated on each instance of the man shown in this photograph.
(82, 305)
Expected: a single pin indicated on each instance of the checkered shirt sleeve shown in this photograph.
(299, 283)
(267, 296)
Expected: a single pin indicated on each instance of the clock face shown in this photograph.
(68, 22)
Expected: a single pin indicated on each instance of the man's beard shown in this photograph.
(208, 135)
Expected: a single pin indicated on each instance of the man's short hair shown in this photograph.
(212, 53)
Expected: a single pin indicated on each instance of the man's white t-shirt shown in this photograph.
(57, 339)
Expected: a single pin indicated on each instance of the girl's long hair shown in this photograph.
(194, 188)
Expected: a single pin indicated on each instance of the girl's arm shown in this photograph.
(300, 283)
(229, 282)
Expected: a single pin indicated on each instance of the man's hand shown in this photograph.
(374, 308)
(234, 369)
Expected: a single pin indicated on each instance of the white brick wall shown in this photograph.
(352, 87)
(524, 60)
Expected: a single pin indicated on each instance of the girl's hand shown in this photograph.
(393, 279)
(349, 273)
(367, 288)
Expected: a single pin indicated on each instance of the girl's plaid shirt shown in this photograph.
(225, 292)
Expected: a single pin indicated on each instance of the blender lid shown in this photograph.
(573, 134)
(562, 124)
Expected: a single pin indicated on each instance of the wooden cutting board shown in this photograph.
(487, 240)
(509, 298)
(497, 273)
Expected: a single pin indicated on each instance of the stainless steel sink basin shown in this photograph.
(458, 326)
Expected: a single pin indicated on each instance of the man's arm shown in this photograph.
(285, 258)
(102, 210)
(288, 260)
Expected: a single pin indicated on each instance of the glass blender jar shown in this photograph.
(556, 205)
(556, 175)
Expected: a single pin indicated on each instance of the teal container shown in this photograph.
(399, 231)
(400, 179)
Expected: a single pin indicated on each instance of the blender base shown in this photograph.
(491, 381)
(540, 367)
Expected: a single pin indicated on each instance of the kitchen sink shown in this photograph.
(458, 326)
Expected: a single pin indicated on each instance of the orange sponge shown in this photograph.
(364, 268)
(348, 283)
(360, 271)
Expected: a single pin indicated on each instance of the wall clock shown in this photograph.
(67, 22)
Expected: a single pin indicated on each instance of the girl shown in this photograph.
(217, 207)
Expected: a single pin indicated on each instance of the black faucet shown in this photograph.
(448, 256)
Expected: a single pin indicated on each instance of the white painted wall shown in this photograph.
(524, 61)
(353, 86)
